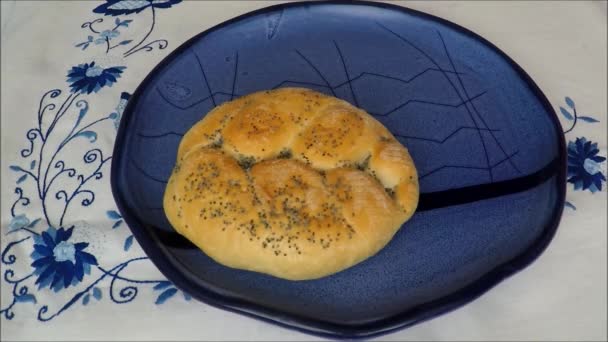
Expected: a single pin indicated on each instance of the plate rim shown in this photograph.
(401, 320)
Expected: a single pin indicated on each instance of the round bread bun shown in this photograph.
(291, 183)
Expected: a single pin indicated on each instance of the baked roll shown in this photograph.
(291, 183)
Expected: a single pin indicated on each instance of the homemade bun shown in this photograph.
(290, 182)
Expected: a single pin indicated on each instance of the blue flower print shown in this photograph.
(85, 45)
(18, 222)
(59, 263)
(37, 247)
(120, 7)
(584, 165)
(106, 35)
(89, 78)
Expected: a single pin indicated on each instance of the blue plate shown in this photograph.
(487, 144)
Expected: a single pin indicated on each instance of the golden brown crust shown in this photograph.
(291, 183)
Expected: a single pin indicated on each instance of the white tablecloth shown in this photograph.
(562, 296)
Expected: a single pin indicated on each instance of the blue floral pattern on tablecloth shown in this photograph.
(90, 78)
(584, 162)
(584, 165)
(58, 260)
(59, 263)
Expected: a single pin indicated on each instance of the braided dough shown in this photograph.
(291, 183)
